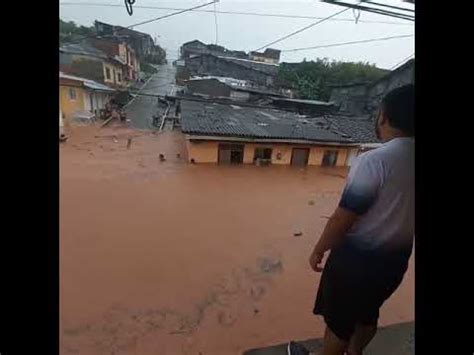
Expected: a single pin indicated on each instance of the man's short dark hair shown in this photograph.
(399, 108)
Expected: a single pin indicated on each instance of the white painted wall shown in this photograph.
(239, 95)
(61, 121)
(87, 102)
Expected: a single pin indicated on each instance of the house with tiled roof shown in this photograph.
(231, 134)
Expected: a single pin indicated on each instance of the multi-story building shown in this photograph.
(122, 51)
(89, 62)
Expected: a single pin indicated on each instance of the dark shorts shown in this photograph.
(355, 284)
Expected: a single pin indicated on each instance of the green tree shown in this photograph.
(312, 79)
(69, 31)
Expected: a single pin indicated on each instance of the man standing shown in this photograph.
(370, 235)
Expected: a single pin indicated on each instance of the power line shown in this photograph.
(389, 6)
(258, 14)
(148, 21)
(371, 9)
(402, 61)
(171, 14)
(347, 43)
(302, 29)
(215, 21)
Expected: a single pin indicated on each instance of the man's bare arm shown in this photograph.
(334, 232)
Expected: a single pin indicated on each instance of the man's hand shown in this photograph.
(315, 260)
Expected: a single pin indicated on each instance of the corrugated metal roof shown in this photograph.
(361, 130)
(224, 120)
(91, 84)
(82, 49)
(307, 102)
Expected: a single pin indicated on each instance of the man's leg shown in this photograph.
(362, 336)
(332, 344)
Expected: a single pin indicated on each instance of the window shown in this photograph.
(263, 153)
(107, 73)
(119, 77)
(72, 94)
(114, 74)
(330, 158)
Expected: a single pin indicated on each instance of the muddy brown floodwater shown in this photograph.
(172, 258)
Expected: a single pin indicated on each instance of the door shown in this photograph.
(92, 102)
(231, 154)
(299, 156)
(87, 102)
(224, 155)
(330, 158)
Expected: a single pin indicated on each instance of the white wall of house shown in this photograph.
(99, 100)
(61, 122)
(239, 95)
(87, 102)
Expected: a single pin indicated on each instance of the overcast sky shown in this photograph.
(244, 32)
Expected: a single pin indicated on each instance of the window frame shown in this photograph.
(74, 96)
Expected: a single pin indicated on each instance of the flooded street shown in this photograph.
(173, 258)
(141, 109)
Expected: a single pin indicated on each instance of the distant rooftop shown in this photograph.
(306, 102)
(88, 50)
(83, 49)
(91, 84)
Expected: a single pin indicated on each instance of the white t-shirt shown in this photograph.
(381, 189)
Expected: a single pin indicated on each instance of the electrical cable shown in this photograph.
(144, 22)
(347, 43)
(257, 14)
(215, 21)
(171, 14)
(301, 30)
(402, 61)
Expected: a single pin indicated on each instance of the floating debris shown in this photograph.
(270, 266)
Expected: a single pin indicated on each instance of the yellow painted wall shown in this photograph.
(285, 150)
(342, 157)
(205, 152)
(69, 106)
(112, 68)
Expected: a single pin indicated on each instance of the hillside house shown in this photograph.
(142, 43)
(227, 88)
(89, 62)
(197, 47)
(270, 56)
(256, 73)
(121, 51)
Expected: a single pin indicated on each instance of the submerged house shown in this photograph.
(231, 134)
(80, 96)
